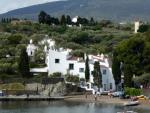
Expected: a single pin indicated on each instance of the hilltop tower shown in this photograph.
(136, 26)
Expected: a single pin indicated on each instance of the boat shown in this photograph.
(131, 103)
(127, 112)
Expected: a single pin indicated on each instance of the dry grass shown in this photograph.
(12, 86)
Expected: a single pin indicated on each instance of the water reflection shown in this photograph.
(63, 107)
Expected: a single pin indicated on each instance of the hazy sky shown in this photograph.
(7, 5)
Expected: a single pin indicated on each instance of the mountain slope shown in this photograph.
(99, 9)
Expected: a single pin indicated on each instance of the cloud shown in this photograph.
(7, 5)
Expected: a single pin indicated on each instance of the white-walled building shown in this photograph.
(31, 48)
(75, 19)
(60, 60)
(137, 25)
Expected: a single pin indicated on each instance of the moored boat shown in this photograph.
(131, 103)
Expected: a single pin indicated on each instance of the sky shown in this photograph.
(7, 5)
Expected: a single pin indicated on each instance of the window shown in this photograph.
(105, 87)
(57, 61)
(81, 70)
(110, 85)
(104, 72)
(71, 66)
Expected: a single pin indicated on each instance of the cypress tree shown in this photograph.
(68, 20)
(63, 20)
(4, 20)
(87, 69)
(116, 69)
(92, 22)
(24, 64)
(97, 75)
(128, 75)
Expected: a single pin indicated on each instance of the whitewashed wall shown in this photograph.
(63, 67)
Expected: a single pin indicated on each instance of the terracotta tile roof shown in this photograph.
(73, 58)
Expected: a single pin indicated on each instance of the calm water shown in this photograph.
(63, 107)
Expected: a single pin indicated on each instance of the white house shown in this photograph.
(60, 60)
(75, 19)
(31, 48)
(137, 25)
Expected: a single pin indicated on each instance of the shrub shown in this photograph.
(133, 91)
(12, 86)
(56, 75)
(72, 78)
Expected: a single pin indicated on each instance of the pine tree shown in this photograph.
(42, 17)
(97, 74)
(116, 69)
(87, 69)
(24, 64)
(48, 19)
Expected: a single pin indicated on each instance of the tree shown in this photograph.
(146, 57)
(143, 28)
(42, 17)
(82, 21)
(24, 64)
(116, 69)
(128, 75)
(97, 74)
(48, 19)
(92, 22)
(15, 39)
(87, 69)
(68, 20)
(63, 20)
(105, 23)
(143, 80)
(55, 21)
(130, 52)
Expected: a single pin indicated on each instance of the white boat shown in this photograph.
(127, 112)
(131, 103)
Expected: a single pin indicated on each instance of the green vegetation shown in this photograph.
(87, 69)
(24, 68)
(144, 80)
(12, 86)
(90, 38)
(116, 69)
(56, 75)
(134, 54)
(71, 78)
(133, 91)
(118, 41)
(97, 75)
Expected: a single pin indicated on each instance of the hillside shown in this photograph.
(99, 9)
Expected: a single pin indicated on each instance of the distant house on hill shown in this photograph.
(137, 25)
(31, 49)
(18, 21)
(75, 19)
